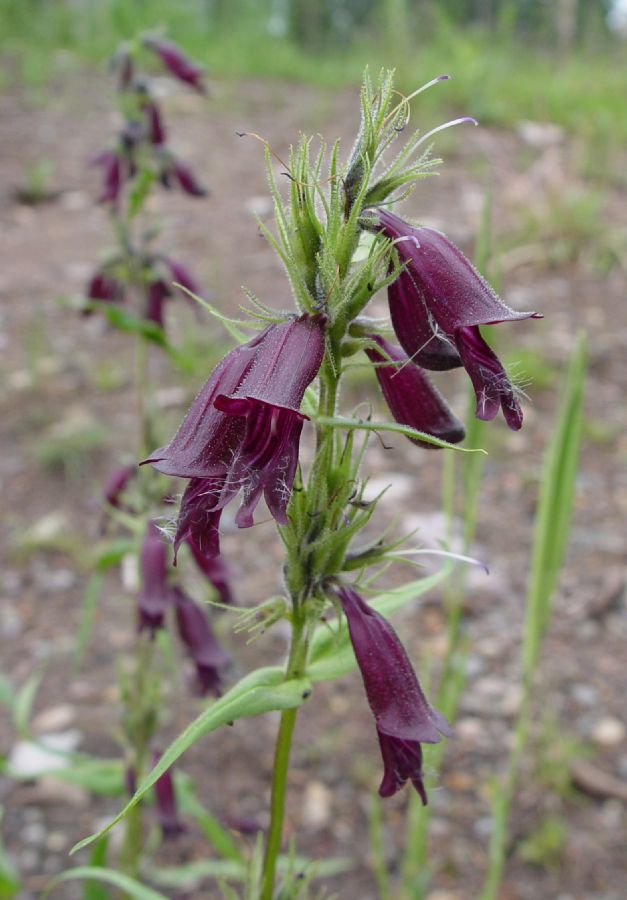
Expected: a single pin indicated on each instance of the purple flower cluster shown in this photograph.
(157, 595)
(144, 136)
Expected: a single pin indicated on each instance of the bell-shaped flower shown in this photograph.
(403, 716)
(155, 594)
(411, 397)
(242, 431)
(165, 803)
(196, 633)
(112, 177)
(215, 569)
(177, 63)
(116, 484)
(181, 275)
(180, 173)
(105, 287)
(437, 305)
(155, 126)
(156, 295)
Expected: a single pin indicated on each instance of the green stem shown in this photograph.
(295, 668)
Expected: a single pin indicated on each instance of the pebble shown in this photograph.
(56, 718)
(584, 694)
(34, 833)
(609, 732)
(28, 759)
(316, 805)
(56, 841)
(483, 826)
(51, 790)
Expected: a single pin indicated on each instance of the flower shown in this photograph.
(215, 569)
(437, 305)
(403, 716)
(157, 293)
(166, 806)
(412, 399)
(156, 128)
(177, 63)
(112, 176)
(155, 595)
(180, 274)
(116, 484)
(196, 633)
(103, 286)
(187, 181)
(242, 431)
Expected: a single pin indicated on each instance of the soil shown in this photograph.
(60, 369)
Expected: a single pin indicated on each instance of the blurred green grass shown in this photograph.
(498, 77)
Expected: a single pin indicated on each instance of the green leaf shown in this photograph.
(130, 324)
(395, 427)
(127, 884)
(261, 691)
(140, 192)
(24, 702)
(10, 884)
(553, 516)
(331, 653)
(98, 776)
(98, 858)
(88, 611)
(190, 875)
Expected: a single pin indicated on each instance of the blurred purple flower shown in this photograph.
(215, 569)
(166, 806)
(103, 286)
(437, 305)
(411, 397)
(155, 595)
(183, 175)
(243, 430)
(157, 294)
(112, 176)
(156, 128)
(196, 633)
(116, 484)
(181, 275)
(403, 716)
(177, 63)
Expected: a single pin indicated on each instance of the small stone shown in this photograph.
(609, 732)
(29, 759)
(469, 729)
(483, 826)
(584, 694)
(54, 719)
(35, 833)
(56, 841)
(316, 805)
(53, 791)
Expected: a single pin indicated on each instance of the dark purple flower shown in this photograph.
(177, 63)
(112, 176)
(196, 633)
(412, 399)
(181, 275)
(103, 286)
(116, 484)
(437, 305)
(165, 797)
(243, 429)
(156, 128)
(403, 716)
(157, 294)
(155, 595)
(186, 179)
(215, 569)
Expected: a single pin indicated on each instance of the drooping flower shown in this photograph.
(166, 805)
(437, 305)
(403, 716)
(177, 63)
(155, 594)
(242, 431)
(197, 635)
(116, 484)
(215, 569)
(105, 287)
(156, 128)
(180, 172)
(181, 275)
(156, 296)
(411, 397)
(112, 176)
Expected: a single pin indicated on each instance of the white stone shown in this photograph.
(28, 759)
(609, 732)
